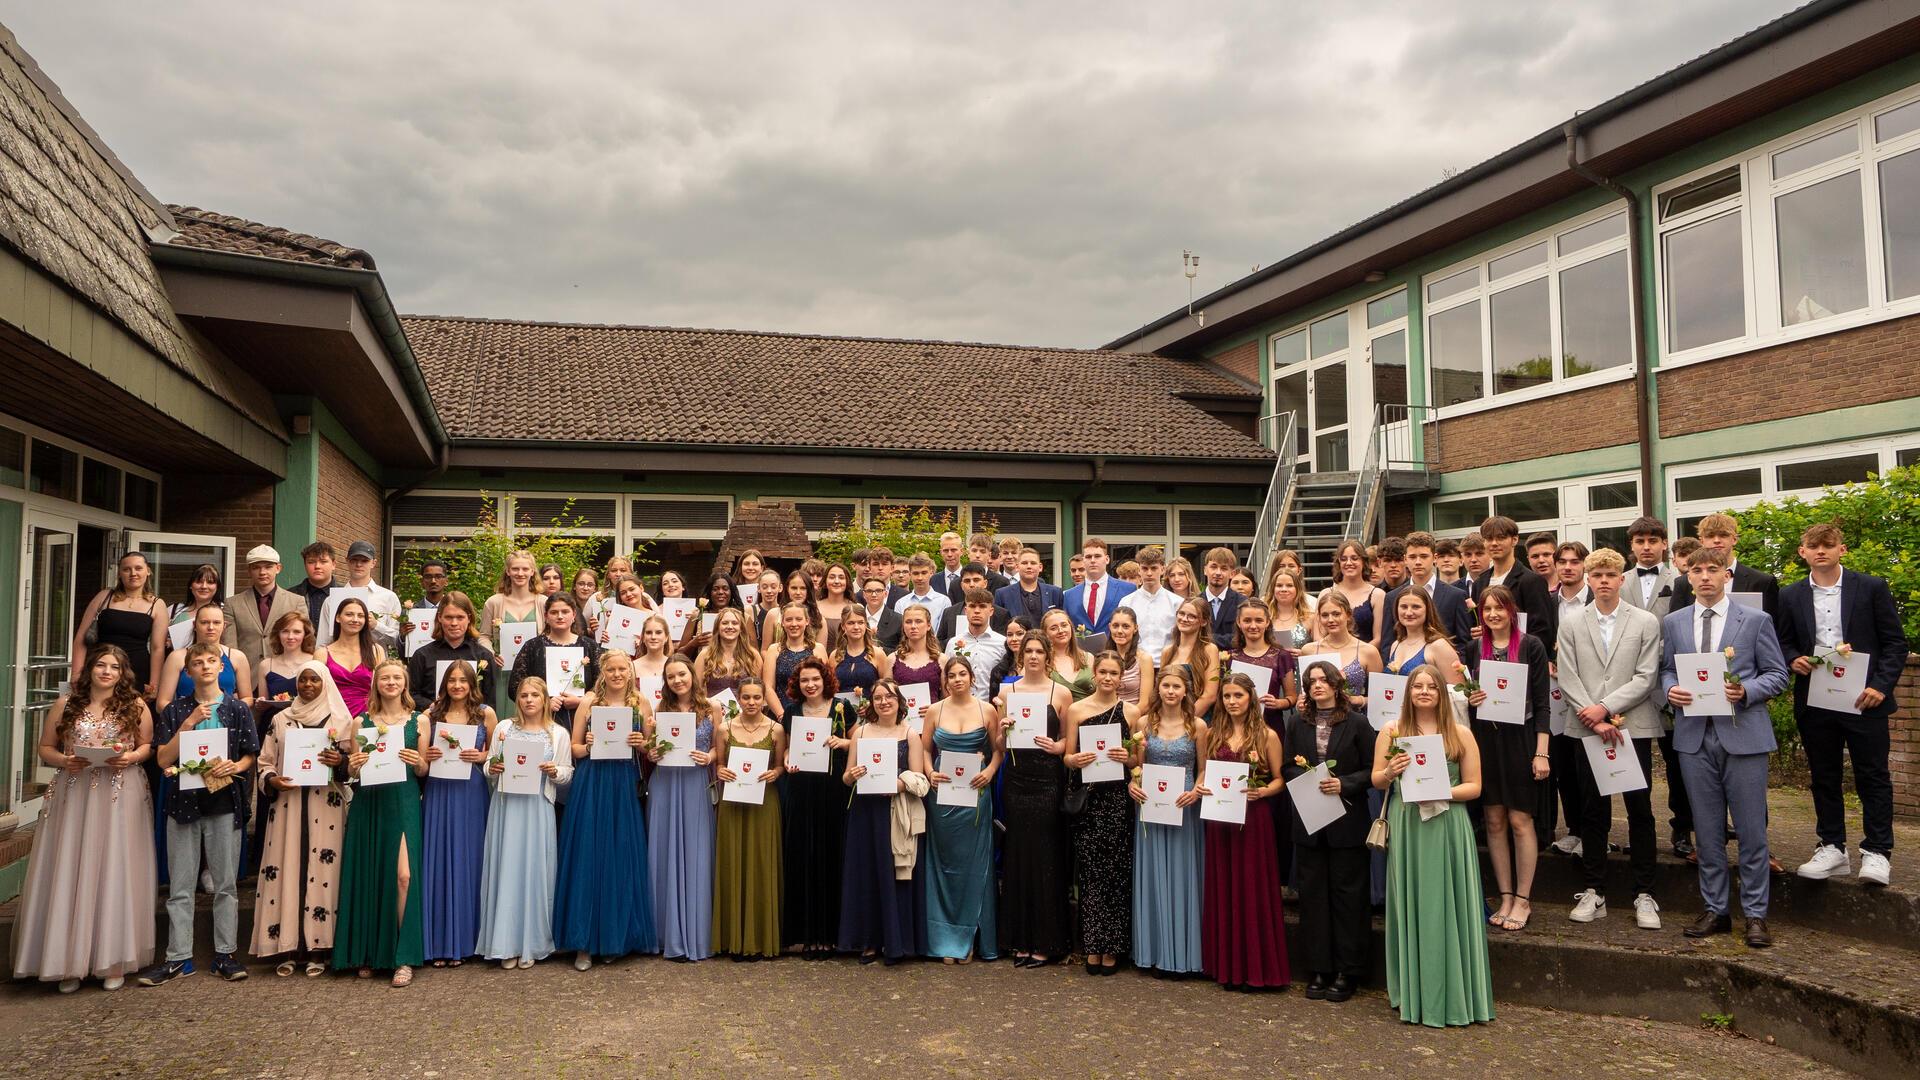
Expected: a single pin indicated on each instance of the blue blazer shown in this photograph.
(1075, 601)
(1009, 598)
(1868, 621)
(1225, 620)
(1756, 659)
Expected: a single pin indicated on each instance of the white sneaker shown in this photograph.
(1569, 845)
(1588, 906)
(113, 982)
(1874, 868)
(1646, 913)
(1828, 861)
(581, 961)
(68, 986)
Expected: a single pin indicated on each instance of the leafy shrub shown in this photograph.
(902, 530)
(1881, 520)
(477, 561)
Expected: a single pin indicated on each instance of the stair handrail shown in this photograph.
(1268, 526)
(1367, 483)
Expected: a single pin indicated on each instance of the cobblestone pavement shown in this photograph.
(799, 1019)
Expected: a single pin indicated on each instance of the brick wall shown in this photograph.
(1852, 367)
(236, 506)
(1243, 361)
(774, 529)
(349, 501)
(1399, 516)
(1590, 419)
(1905, 730)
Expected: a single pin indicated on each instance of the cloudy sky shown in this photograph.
(988, 171)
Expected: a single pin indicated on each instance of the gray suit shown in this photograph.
(1662, 592)
(248, 635)
(1725, 759)
(1621, 678)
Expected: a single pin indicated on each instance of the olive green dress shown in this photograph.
(1437, 971)
(746, 872)
(378, 818)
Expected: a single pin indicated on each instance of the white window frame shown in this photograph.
(629, 535)
(1756, 201)
(1574, 521)
(86, 515)
(1887, 447)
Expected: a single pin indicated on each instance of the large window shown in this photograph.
(1178, 530)
(1811, 233)
(1550, 309)
(1595, 511)
(1729, 484)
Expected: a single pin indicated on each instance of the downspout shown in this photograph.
(386, 507)
(1079, 502)
(1637, 304)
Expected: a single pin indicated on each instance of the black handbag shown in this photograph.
(1074, 801)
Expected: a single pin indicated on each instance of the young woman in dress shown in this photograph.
(798, 591)
(1103, 835)
(1033, 859)
(750, 565)
(203, 588)
(857, 659)
(795, 641)
(289, 647)
(1417, 637)
(960, 881)
(730, 658)
(1253, 644)
(1513, 759)
(129, 616)
(1123, 636)
(236, 675)
(918, 659)
(1284, 559)
(302, 828)
(352, 654)
(379, 924)
(1242, 583)
(1353, 582)
(650, 665)
(521, 854)
(586, 600)
(516, 598)
(563, 630)
(1192, 650)
(626, 592)
(674, 587)
(772, 598)
(1292, 612)
(882, 898)
(87, 906)
(1358, 659)
(618, 567)
(816, 810)
(1009, 667)
(1437, 972)
(747, 846)
(1067, 663)
(836, 592)
(1168, 860)
(680, 821)
(552, 579)
(1179, 577)
(1243, 938)
(453, 639)
(603, 903)
(454, 821)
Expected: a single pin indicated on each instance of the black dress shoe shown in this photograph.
(1342, 988)
(1709, 924)
(1317, 987)
(1093, 967)
(1757, 936)
(1683, 847)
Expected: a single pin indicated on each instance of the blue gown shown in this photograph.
(680, 823)
(879, 910)
(959, 854)
(517, 872)
(1168, 868)
(453, 823)
(603, 902)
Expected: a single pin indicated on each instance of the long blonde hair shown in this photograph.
(1408, 725)
(607, 662)
(406, 695)
(1187, 717)
(506, 584)
(744, 660)
(546, 700)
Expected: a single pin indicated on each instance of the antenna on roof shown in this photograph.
(1190, 265)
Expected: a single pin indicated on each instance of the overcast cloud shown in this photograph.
(1015, 172)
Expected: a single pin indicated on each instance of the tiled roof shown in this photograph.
(507, 380)
(238, 236)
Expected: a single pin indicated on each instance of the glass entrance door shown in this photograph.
(46, 648)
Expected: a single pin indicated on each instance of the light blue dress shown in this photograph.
(959, 854)
(680, 840)
(518, 869)
(1168, 867)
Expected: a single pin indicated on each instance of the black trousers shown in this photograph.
(1336, 923)
(1596, 822)
(1563, 757)
(1827, 736)
(1679, 810)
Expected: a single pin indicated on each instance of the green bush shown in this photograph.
(477, 561)
(1881, 520)
(902, 530)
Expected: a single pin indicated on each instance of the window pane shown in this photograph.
(1453, 347)
(1389, 357)
(1814, 474)
(1535, 505)
(1290, 349)
(1619, 495)
(13, 458)
(1330, 334)
(1454, 285)
(1459, 514)
(1522, 337)
(1823, 250)
(1588, 235)
(1706, 294)
(1702, 192)
(1897, 122)
(1387, 308)
(1614, 537)
(1900, 222)
(100, 485)
(1518, 261)
(1724, 485)
(56, 471)
(1815, 152)
(1596, 328)
(1907, 457)
(1290, 396)
(143, 498)
(1330, 396)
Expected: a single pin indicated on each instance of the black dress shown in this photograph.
(878, 910)
(813, 838)
(133, 632)
(1033, 857)
(1103, 861)
(1506, 750)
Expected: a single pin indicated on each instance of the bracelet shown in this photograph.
(1542, 757)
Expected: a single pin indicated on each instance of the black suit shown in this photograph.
(1530, 590)
(955, 617)
(995, 582)
(886, 632)
(1331, 867)
(947, 583)
(1224, 618)
(1870, 623)
(1745, 579)
(1449, 606)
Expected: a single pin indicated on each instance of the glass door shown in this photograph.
(46, 648)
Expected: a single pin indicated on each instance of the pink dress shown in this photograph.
(356, 686)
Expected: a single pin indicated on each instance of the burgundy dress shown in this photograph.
(1242, 939)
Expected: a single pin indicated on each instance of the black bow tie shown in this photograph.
(1644, 571)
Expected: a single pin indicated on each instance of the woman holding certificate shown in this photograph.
(1510, 712)
(1243, 942)
(565, 629)
(380, 912)
(962, 737)
(917, 662)
(882, 902)
(303, 765)
(1067, 663)
(1193, 651)
(1167, 858)
(1033, 856)
(747, 848)
(521, 853)
(1123, 637)
(603, 900)
(798, 593)
(857, 659)
(1436, 943)
(680, 816)
(1103, 835)
(730, 658)
(516, 597)
(453, 813)
(793, 643)
(1331, 864)
(815, 802)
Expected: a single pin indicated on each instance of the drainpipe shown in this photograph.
(1079, 501)
(386, 507)
(1637, 304)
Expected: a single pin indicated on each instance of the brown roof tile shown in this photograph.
(238, 236)
(507, 380)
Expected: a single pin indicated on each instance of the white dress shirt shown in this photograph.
(1649, 583)
(1605, 624)
(936, 603)
(1154, 612)
(1719, 623)
(1826, 614)
(982, 654)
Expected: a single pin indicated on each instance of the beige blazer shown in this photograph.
(1624, 678)
(245, 632)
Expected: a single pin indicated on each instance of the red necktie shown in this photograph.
(1093, 602)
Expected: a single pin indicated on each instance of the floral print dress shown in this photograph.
(299, 883)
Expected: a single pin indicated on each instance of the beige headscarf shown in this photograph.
(329, 708)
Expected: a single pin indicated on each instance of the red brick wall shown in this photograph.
(1904, 759)
(349, 501)
(1590, 419)
(1243, 361)
(236, 506)
(1852, 367)
(1399, 517)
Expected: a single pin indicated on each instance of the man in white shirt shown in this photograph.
(1153, 607)
(920, 572)
(383, 604)
(979, 644)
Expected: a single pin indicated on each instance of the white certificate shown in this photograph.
(1228, 782)
(1097, 739)
(1557, 708)
(1754, 600)
(620, 628)
(918, 696)
(1262, 677)
(677, 611)
(1162, 785)
(748, 765)
(383, 764)
(679, 729)
(1386, 697)
(882, 764)
(1616, 768)
(180, 634)
(728, 703)
(807, 743)
(420, 628)
(749, 594)
(652, 688)
(1316, 808)
(450, 767)
(1426, 777)
(1302, 663)
(1836, 684)
(1704, 675)
(514, 637)
(1520, 622)
(1506, 687)
(566, 669)
(610, 724)
(522, 758)
(96, 756)
(960, 769)
(1029, 715)
(208, 745)
(707, 620)
(440, 674)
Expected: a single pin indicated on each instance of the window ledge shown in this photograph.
(1535, 393)
(1852, 320)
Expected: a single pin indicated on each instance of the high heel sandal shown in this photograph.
(1512, 925)
(403, 976)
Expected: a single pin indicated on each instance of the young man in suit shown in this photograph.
(1832, 607)
(1529, 589)
(1725, 758)
(1029, 597)
(980, 549)
(1570, 595)
(1222, 601)
(946, 579)
(1540, 547)
(1609, 663)
(954, 619)
(1649, 586)
(1446, 561)
(319, 559)
(1722, 533)
(1090, 604)
(1449, 601)
(1473, 563)
(884, 621)
(256, 609)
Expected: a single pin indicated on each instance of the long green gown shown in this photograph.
(1437, 971)
(746, 874)
(377, 819)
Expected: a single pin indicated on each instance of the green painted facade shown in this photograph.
(12, 531)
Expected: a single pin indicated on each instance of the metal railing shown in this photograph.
(1367, 481)
(1273, 513)
(1408, 436)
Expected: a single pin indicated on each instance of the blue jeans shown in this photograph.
(219, 840)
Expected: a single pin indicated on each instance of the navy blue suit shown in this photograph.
(1013, 600)
(1225, 617)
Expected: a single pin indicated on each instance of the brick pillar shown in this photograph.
(1904, 760)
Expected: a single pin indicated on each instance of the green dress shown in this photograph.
(1437, 971)
(746, 874)
(378, 818)
(1079, 686)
